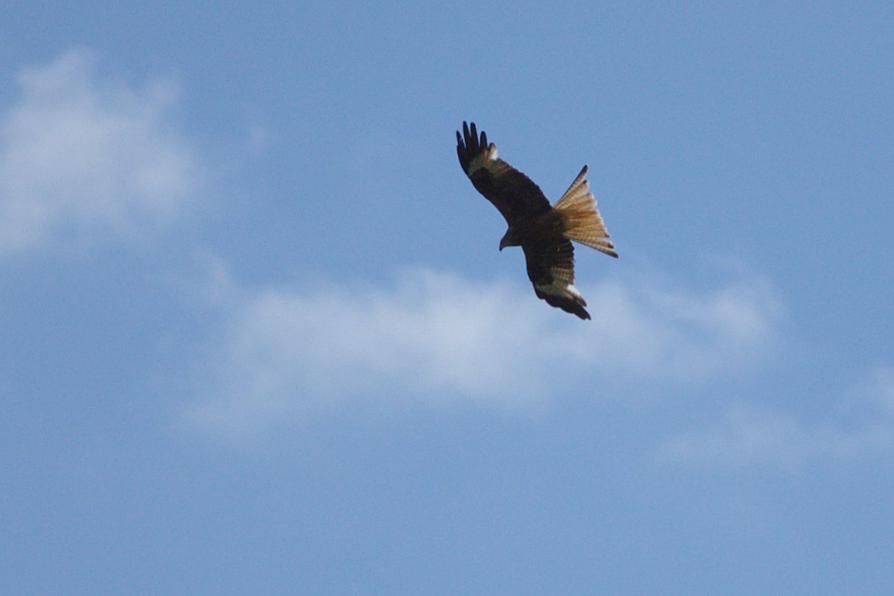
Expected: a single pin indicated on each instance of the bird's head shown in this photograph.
(508, 239)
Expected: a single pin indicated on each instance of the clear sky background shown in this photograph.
(256, 335)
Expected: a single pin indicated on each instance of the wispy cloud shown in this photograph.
(437, 336)
(862, 423)
(80, 154)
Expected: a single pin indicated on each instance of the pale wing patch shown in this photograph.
(487, 160)
(561, 288)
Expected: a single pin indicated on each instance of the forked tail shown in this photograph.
(583, 223)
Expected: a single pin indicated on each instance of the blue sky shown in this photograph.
(257, 336)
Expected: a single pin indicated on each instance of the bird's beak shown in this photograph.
(501, 245)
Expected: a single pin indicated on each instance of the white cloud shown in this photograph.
(79, 155)
(862, 423)
(436, 337)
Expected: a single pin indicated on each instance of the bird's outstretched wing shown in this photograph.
(511, 192)
(550, 263)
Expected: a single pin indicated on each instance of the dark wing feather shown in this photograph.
(511, 192)
(550, 263)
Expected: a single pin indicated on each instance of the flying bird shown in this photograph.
(543, 231)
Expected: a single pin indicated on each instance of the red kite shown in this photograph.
(544, 232)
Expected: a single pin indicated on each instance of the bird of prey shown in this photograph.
(543, 231)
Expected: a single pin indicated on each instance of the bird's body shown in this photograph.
(543, 231)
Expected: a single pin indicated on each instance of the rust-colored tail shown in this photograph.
(581, 217)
